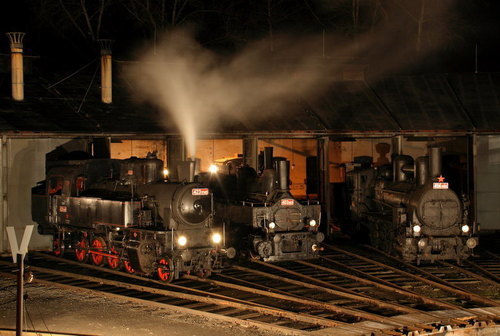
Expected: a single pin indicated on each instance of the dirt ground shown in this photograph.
(57, 310)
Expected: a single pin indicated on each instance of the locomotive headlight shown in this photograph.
(182, 240)
(213, 169)
(417, 228)
(471, 243)
(312, 223)
(272, 225)
(465, 228)
(216, 238)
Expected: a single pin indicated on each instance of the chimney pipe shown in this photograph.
(106, 71)
(16, 48)
(283, 174)
(268, 157)
(435, 162)
(397, 146)
(251, 152)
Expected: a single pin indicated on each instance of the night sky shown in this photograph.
(57, 29)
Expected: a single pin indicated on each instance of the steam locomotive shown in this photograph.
(259, 213)
(408, 209)
(123, 214)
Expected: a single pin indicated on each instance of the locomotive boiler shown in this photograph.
(409, 210)
(261, 215)
(123, 214)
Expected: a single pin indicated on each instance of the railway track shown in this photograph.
(340, 290)
(446, 283)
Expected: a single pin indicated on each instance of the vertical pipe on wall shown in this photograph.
(17, 68)
(3, 191)
(106, 71)
(2, 222)
(324, 180)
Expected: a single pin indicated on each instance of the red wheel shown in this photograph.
(57, 247)
(99, 245)
(113, 262)
(127, 267)
(81, 250)
(165, 269)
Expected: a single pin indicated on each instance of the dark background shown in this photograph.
(64, 32)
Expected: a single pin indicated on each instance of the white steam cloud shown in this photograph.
(199, 88)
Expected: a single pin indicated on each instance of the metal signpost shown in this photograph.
(18, 253)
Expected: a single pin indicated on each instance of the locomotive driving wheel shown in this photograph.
(165, 269)
(57, 246)
(127, 267)
(81, 250)
(113, 262)
(100, 245)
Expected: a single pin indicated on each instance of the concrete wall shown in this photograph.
(25, 166)
(487, 163)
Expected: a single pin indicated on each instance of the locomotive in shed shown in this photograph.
(123, 214)
(260, 215)
(408, 209)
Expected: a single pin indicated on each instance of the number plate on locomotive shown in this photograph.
(62, 208)
(287, 202)
(199, 191)
(440, 185)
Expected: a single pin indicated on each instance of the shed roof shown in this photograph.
(431, 102)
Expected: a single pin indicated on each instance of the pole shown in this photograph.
(20, 295)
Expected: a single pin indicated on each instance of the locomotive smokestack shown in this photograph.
(397, 146)
(283, 173)
(106, 71)
(421, 170)
(250, 152)
(186, 171)
(16, 48)
(434, 162)
(268, 157)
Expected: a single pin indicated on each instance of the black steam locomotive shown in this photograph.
(261, 215)
(122, 213)
(408, 209)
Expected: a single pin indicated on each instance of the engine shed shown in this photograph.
(322, 139)
(358, 121)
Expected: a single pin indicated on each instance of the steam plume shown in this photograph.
(198, 88)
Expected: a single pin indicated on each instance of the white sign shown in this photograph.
(440, 185)
(14, 248)
(287, 202)
(199, 191)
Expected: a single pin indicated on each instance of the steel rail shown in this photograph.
(220, 302)
(439, 284)
(364, 299)
(405, 293)
(307, 302)
(484, 270)
(408, 265)
(435, 302)
(137, 277)
(249, 323)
